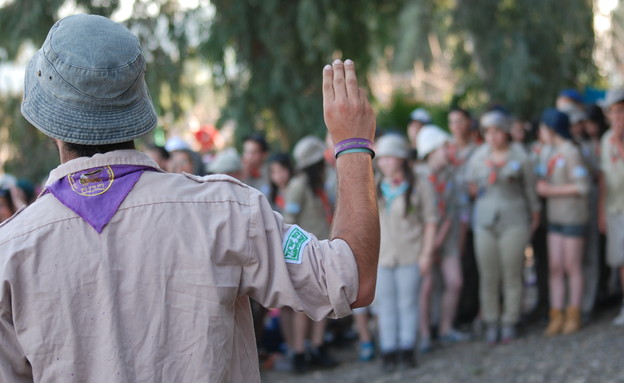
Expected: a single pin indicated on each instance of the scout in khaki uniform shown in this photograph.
(611, 201)
(433, 148)
(408, 221)
(120, 272)
(565, 187)
(307, 205)
(501, 179)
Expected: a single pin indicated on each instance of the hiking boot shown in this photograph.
(572, 321)
(556, 322)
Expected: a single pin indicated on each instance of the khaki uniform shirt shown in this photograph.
(262, 183)
(401, 236)
(566, 166)
(161, 295)
(612, 166)
(304, 208)
(459, 160)
(509, 200)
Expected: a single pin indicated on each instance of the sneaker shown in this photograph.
(389, 361)
(367, 352)
(454, 336)
(491, 334)
(424, 345)
(320, 358)
(619, 320)
(508, 334)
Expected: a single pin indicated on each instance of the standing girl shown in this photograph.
(501, 179)
(408, 225)
(565, 188)
(307, 205)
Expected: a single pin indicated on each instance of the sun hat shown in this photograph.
(227, 161)
(392, 145)
(430, 138)
(497, 119)
(557, 121)
(614, 96)
(309, 151)
(86, 85)
(420, 115)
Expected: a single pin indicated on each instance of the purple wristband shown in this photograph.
(353, 143)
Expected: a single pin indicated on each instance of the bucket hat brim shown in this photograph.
(84, 125)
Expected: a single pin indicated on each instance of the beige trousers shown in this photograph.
(500, 259)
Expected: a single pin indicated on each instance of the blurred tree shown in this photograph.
(521, 53)
(269, 54)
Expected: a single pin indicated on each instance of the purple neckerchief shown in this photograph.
(95, 194)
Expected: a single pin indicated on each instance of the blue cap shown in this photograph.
(557, 121)
(572, 94)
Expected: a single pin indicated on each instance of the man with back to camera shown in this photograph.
(120, 272)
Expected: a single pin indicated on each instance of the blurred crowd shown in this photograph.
(493, 224)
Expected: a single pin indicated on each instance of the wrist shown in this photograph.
(354, 145)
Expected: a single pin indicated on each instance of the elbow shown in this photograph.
(366, 293)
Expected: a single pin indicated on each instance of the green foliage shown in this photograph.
(521, 53)
(279, 50)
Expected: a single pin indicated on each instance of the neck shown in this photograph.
(462, 142)
(499, 150)
(558, 141)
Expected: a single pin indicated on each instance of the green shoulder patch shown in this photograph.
(294, 242)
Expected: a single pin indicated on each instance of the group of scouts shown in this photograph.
(497, 190)
(435, 190)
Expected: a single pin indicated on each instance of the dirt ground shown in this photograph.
(593, 355)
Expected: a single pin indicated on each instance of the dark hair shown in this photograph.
(6, 194)
(164, 153)
(90, 150)
(284, 160)
(596, 115)
(315, 175)
(259, 139)
(411, 180)
(462, 111)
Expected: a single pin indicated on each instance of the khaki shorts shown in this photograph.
(615, 240)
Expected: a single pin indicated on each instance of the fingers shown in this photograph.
(328, 84)
(351, 79)
(340, 91)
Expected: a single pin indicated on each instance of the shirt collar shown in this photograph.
(117, 157)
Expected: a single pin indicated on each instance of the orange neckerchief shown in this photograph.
(440, 187)
(255, 173)
(619, 146)
(494, 168)
(452, 155)
(322, 195)
(552, 162)
(280, 201)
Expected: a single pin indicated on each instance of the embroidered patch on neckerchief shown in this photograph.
(95, 194)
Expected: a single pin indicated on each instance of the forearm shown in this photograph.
(442, 232)
(429, 236)
(356, 219)
(571, 189)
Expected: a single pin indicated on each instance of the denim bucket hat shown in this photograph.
(86, 85)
